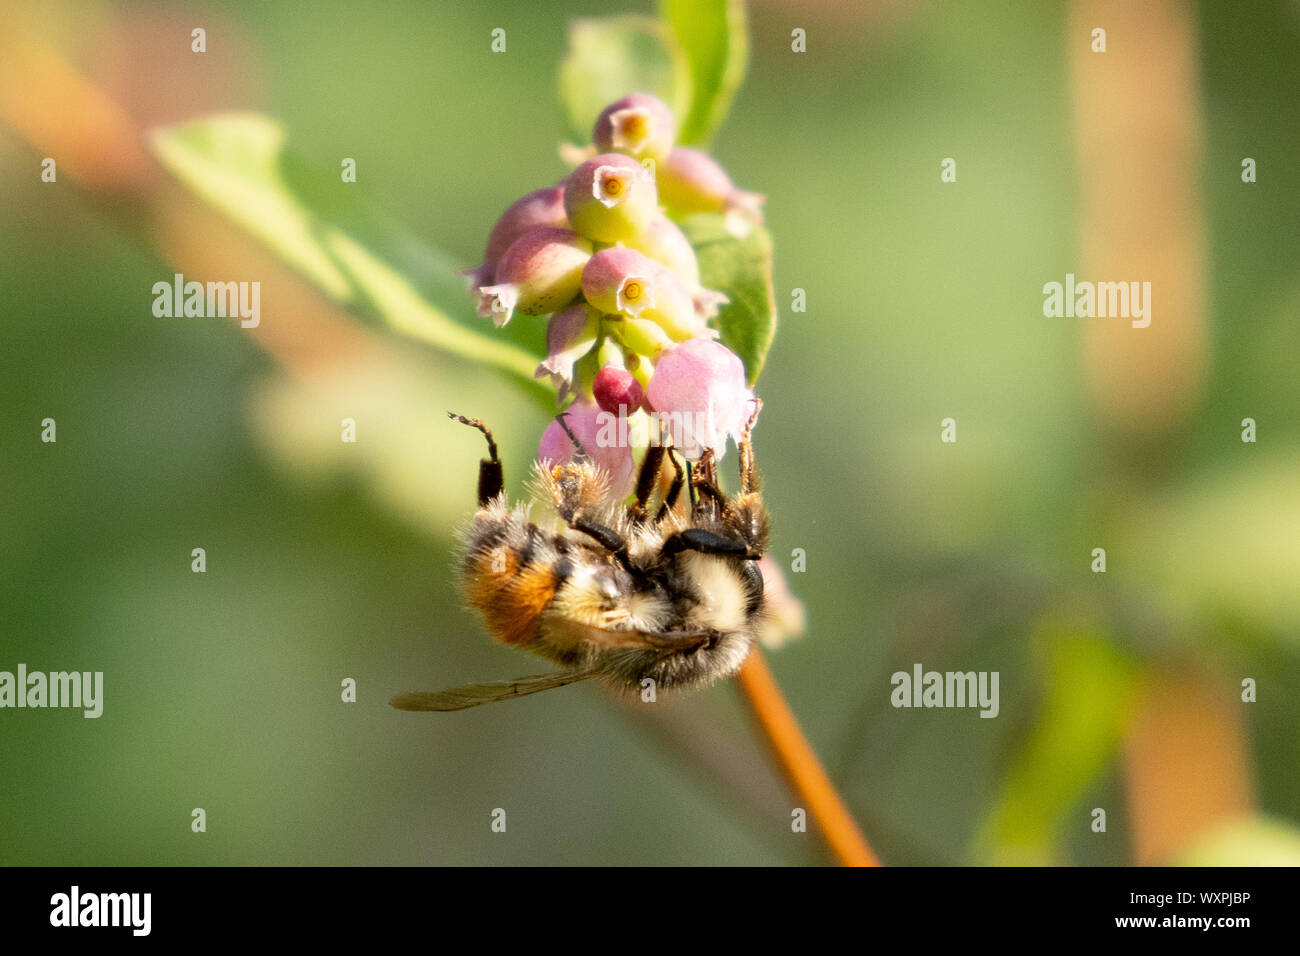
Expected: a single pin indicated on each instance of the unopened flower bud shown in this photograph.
(639, 125)
(617, 391)
(540, 273)
(691, 181)
(610, 197)
(699, 390)
(643, 337)
(542, 207)
(592, 427)
(642, 369)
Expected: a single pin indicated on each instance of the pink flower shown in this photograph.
(639, 125)
(540, 273)
(542, 207)
(625, 282)
(610, 197)
(667, 245)
(593, 428)
(570, 335)
(698, 390)
(692, 181)
(619, 280)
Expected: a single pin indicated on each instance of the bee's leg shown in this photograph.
(491, 480)
(705, 481)
(561, 420)
(748, 473)
(675, 489)
(646, 478)
(607, 538)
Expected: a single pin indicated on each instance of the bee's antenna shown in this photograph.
(475, 423)
(572, 437)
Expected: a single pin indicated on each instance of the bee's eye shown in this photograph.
(754, 579)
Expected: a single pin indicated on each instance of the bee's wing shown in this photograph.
(471, 695)
(566, 633)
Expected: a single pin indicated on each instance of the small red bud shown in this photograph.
(614, 387)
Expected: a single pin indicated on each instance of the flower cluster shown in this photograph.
(628, 339)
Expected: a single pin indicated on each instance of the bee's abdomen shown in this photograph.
(512, 571)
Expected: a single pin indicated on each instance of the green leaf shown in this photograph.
(611, 57)
(714, 34)
(1086, 706)
(742, 269)
(325, 229)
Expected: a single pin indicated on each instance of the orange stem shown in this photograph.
(803, 771)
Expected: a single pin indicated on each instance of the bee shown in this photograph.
(661, 589)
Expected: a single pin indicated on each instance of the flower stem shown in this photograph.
(802, 770)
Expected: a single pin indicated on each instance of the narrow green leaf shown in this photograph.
(324, 228)
(1086, 706)
(742, 269)
(613, 56)
(715, 36)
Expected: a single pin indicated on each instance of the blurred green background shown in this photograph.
(328, 560)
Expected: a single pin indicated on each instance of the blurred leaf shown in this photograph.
(408, 468)
(741, 268)
(1254, 841)
(1228, 544)
(323, 227)
(1090, 689)
(611, 57)
(714, 34)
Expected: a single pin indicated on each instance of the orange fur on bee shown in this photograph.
(511, 599)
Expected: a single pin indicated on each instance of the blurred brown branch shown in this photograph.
(802, 768)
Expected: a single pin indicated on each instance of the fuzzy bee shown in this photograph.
(665, 588)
